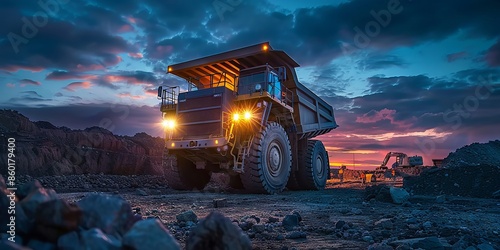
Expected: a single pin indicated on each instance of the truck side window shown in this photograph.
(274, 87)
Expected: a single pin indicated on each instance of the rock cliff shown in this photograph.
(44, 149)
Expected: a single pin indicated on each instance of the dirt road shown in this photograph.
(336, 218)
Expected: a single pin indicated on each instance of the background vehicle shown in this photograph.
(245, 113)
(402, 160)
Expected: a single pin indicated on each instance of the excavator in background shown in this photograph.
(402, 161)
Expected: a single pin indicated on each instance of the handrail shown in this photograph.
(169, 97)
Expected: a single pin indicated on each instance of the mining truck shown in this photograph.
(244, 113)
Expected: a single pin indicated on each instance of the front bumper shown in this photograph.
(196, 143)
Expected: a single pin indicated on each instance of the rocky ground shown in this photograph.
(90, 189)
(344, 216)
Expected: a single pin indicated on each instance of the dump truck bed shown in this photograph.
(313, 116)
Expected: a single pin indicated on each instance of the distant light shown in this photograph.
(172, 145)
(170, 69)
(236, 117)
(265, 47)
(216, 142)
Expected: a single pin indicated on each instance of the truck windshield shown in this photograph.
(252, 79)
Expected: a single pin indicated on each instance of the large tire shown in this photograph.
(181, 174)
(314, 168)
(267, 167)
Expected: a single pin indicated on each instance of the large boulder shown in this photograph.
(36, 197)
(379, 192)
(71, 241)
(95, 239)
(290, 221)
(111, 214)
(55, 218)
(24, 190)
(149, 234)
(399, 195)
(188, 216)
(217, 232)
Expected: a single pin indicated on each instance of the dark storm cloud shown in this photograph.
(423, 102)
(417, 114)
(95, 17)
(83, 36)
(37, 40)
(61, 45)
(328, 81)
(27, 97)
(68, 75)
(313, 36)
(31, 94)
(379, 61)
(478, 76)
(30, 82)
(493, 55)
(406, 26)
(114, 80)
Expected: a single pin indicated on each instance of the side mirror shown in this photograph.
(160, 89)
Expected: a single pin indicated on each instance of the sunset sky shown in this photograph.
(420, 77)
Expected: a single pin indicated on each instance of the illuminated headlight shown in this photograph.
(247, 115)
(258, 87)
(169, 124)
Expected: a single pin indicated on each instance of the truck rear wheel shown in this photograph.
(267, 167)
(181, 174)
(314, 167)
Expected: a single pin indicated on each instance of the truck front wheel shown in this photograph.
(314, 166)
(181, 174)
(267, 167)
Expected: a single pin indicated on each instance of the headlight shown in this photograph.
(169, 124)
(247, 115)
(258, 87)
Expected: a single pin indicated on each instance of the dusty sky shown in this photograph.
(421, 77)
